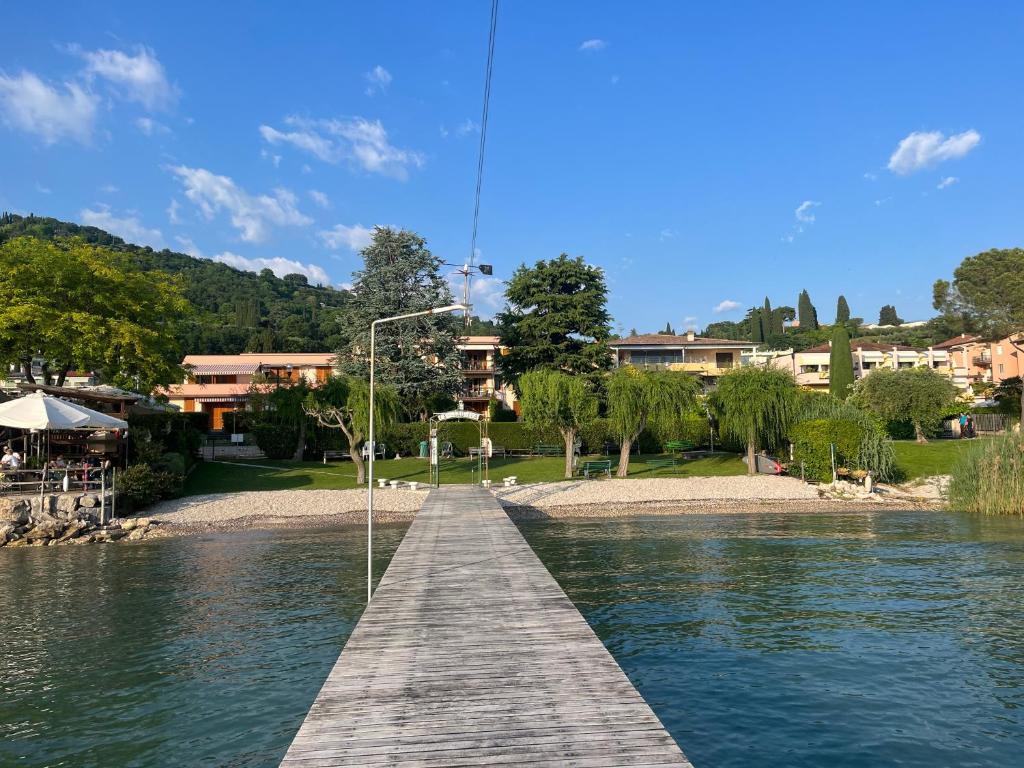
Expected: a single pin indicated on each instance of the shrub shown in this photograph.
(811, 446)
(172, 462)
(990, 478)
(142, 485)
(499, 413)
(277, 441)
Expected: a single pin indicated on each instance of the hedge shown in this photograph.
(277, 441)
(811, 440)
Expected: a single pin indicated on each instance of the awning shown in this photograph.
(222, 399)
(40, 411)
(223, 369)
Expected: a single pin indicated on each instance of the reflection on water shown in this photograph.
(811, 640)
(175, 652)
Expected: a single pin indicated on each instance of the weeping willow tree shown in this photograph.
(343, 402)
(556, 399)
(639, 400)
(875, 454)
(756, 406)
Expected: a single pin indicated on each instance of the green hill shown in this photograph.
(237, 311)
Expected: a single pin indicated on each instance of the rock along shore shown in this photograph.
(67, 518)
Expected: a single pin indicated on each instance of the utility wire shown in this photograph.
(483, 144)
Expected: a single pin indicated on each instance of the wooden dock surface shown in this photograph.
(471, 654)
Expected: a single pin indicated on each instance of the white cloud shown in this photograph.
(882, 201)
(138, 77)
(690, 323)
(108, 189)
(871, 176)
(275, 159)
(252, 215)
(356, 140)
(320, 198)
(667, 234)
(172, 211)
(726, 305)
(922, 149)
(614, 80)
(947, 182)
(31, 105)
(189, 247)
(43, 189)
(128, 228)
(355, 238)
(443, 131)
(148, 126)
(486, 294)
(378, 79)
(278, 265)
(805, 211)
(466, 127)
(593, 44)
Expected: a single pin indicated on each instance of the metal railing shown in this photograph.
(57, 480)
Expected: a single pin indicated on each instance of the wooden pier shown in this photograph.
(471, 654)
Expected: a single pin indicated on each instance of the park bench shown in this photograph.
(335, 455)
(496, 450)
(678, 446)
(670, 461)
(544, 449)
(590, 468)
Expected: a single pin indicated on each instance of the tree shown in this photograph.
(633, 333)
(343, 402)
(669, 330)
(767, 319)
(420, 356)
(286, 408)
(555, 318)
(559, 400)
(919, 395)
(756, 321)
(840, 363)
(842, 311)
(87, 307)
(807, 313)
(639, 400)
(755, 406)
(887, 316)
(987, 295)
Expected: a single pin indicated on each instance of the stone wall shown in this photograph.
(66, 518)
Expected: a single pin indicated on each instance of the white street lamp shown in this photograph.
(372, 443)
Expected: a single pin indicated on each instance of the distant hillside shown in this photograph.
(238, 311)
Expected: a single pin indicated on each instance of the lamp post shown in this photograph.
(371, 441)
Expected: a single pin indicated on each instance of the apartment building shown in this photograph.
(705, 357)
(810, 367)
(976, 361)
(481, 380)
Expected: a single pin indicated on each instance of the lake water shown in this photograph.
(811, 640)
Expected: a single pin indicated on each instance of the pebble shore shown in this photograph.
(594, 498)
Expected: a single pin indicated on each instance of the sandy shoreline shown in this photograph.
(268, 510)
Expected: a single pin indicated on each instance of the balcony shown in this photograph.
(473, 367)
(477, 393)
(984, 360)
(704, 369)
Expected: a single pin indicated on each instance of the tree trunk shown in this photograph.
(300, 447)
(357, 459)
(627, 446)
(751, 458)
(62, 376)
(919, 433)
(569, 435)
(26, 368)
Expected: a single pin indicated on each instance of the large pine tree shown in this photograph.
(419, 357)
(840, 363)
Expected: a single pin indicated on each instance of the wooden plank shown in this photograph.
(471, 654)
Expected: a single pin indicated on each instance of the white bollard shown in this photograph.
(382, 482)
(413, 485)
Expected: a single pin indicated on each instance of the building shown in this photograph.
(15, 378)
(811, 366)
(705, 357)
(219, 384)
(481, 380)
(976, 361)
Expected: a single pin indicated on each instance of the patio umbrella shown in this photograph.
(39, 411)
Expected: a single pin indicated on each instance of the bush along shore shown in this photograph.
(69, 518)
(990, 478)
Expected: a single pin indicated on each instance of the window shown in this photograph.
(1000, 368)
(999, 349)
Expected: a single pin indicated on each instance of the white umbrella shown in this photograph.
(40, 411)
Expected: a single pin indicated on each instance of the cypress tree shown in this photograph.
(842, 310)
(840, 363)
(756, 327)
(806, 312)
(767, 319)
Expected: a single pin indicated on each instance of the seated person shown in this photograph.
(11, 459)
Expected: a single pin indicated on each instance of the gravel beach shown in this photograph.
(595, 498)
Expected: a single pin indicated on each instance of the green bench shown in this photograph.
(678, 446)
(543, 449)
(663, 463)
(590, 468)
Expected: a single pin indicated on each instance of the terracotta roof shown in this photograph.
(667, 340)
(251, 360)
(956, 341)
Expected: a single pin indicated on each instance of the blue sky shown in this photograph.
(704, 156)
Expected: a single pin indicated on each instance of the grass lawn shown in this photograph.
(935, 457)
(270, 475)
